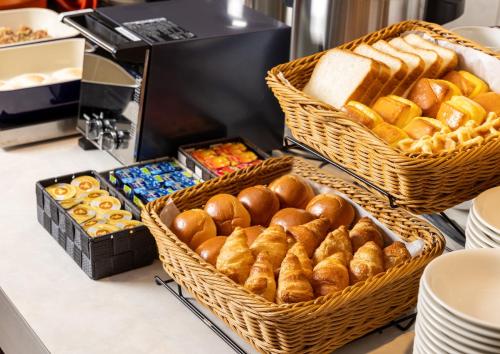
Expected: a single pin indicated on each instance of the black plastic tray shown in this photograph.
(100, 256)
(186, 159)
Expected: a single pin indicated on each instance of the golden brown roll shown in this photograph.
(362, 114)
(389, 133)
(365, 230)
(261, 279)
(423, 126)
(457, 111)
(210, 249)
(273, 241)
(261, 203)
(253, 232)
(428, 94)
(470, 85)
(289, 217)
(193, 227)
(306, 263)
(227, 213)
(330, 275)
(336, 241)
(490, 101)
(336, 209)
(395, 254)
(235, 258)
(310, 234)
(292, 191)
(366, 262)
(396, 110)
(293, 285)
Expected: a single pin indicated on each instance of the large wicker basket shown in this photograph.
(317, 326)
(419, 184)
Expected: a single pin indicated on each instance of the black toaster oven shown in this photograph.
(163, 74)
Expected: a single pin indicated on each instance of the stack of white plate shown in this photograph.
(458, 307)
(483, 224)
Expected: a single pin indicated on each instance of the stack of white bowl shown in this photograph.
(483, 224)
(458, 307)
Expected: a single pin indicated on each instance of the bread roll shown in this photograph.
(362, 114)
(366, 262)
(423, 126)
(194, 227)
(490, 101)
(306, 263)
(273, 241)
(389, 133)
(470, 85)
(396, 110)
(210, 249)
(293, 285)
(336, 241)
(364, 231)
(227, 213)
(330, 275)
(261, 279)
(457, 111)
(292, 191)
(289, 217)
(253, 232)
(428, 94)
(235, 258)
(261, 203)
(310, 234)
(336, 209)
(395, 254)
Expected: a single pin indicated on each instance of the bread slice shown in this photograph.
(431, 59)
(413, 62)
(398, 69)
(377, 86)
(449, 57)
(341, 76)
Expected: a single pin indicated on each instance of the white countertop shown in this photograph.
(42, 288)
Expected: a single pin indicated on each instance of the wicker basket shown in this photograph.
(419, 184)
(317, 326)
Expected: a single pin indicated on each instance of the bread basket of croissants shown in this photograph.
(412, 108)
(292, 259)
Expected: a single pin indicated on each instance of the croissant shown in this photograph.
(395, 254)
(336, 241)
(261, 279)
(330, 275)
(367, 261)
(306, 263)
(235, 258)
(365, 230)
(293, 285)
(310, 234)
(272, 240)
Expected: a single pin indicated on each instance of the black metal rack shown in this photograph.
(440, 220)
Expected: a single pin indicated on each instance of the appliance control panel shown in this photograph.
(109, 134)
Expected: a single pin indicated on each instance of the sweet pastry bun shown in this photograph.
(365, 231)
(456, 112)
(423, 126)
(394, 254)
(260, 202)
(193, 227)
(396, 110)
(210, 249)
(235, 257)
(336, 209)
(292, 191)
(289, 217)
(366, 262)
(227, 212)
(253, 232)
(428, 94)
(470, 85)
(330, 275)
(358, 112)
(389, 133)
(490, 101)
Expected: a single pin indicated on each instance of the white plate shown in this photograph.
(471, 242)
(484, 229)
(487, 208)
(443, 331)
(481, 238)
(431, 344)
(476, 239)
(466, 283)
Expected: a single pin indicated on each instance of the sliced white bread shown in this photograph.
(431, 59)
(375, 89)
(398, 69)
(415, 65)
(449, 57)
(341, 76)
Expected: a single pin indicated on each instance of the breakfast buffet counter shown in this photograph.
(47, 304)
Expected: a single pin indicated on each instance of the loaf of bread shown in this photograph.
(292, 191)
(227, 213)
(394, 254)
(235, 257)
(293, 285)
(336, 209)
(261, 203)
(273, 241)
(194, 227)
(310, 235)
(364, 231)
(330, 275)
(261, 279)
(210, 249)
(366, 262)
(336, 241)
(431, 59)
(289, 217)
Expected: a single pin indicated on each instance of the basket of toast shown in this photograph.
(292, 259)
(412, 108)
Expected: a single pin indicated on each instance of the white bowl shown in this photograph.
(486, 208)
(481, 237)
(466, 283)
(484, 229)
(487, 36)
